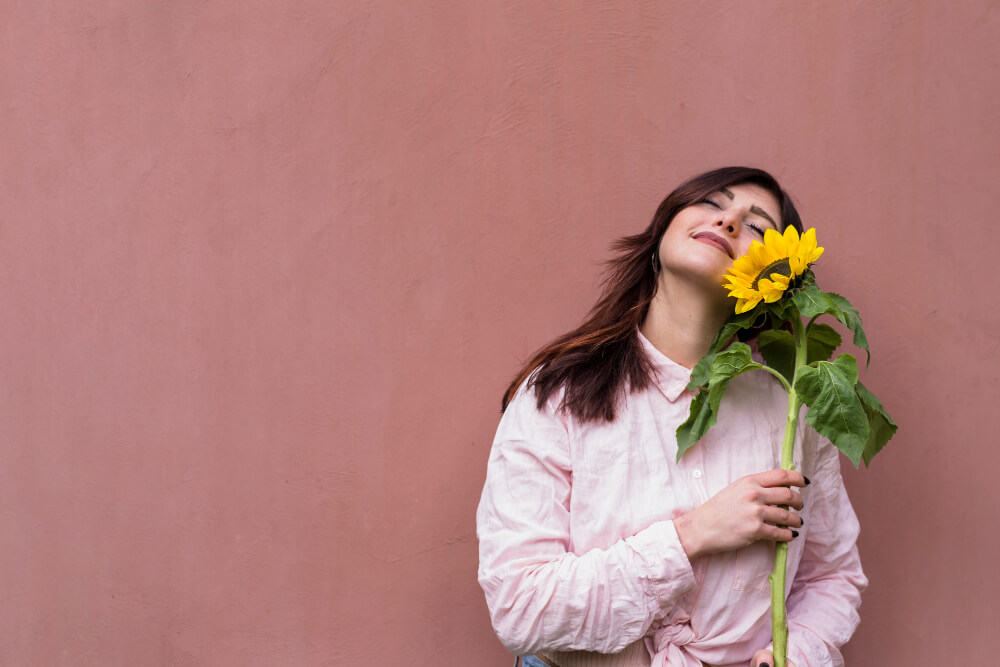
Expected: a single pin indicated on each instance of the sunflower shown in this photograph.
(768, 268)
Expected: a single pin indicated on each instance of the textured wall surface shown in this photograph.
(265, 269)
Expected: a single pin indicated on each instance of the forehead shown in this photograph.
(757, 199)
(753, 194)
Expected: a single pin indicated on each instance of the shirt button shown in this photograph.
(696, 474)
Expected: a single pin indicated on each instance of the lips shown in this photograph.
(716, 240)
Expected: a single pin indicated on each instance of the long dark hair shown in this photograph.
(600, 360)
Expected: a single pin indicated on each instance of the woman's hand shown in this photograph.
(764, 658)
(744, 512)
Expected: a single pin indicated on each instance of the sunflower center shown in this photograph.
(781, 266)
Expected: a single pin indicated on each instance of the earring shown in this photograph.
(656, 268)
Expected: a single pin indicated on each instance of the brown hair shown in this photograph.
(600, 360)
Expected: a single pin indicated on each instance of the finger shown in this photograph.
(780, 517)
(776, 534)
(781, 495)
(762, 658)
(779, 477)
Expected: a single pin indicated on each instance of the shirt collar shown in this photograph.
(670, 377)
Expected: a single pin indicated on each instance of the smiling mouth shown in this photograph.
(717, 241)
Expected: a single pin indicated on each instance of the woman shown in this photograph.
(596, 546)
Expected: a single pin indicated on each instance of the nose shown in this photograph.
(729, 222)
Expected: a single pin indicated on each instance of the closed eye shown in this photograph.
(754, 226)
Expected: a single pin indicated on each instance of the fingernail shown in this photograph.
(802, 522)
(807, 484)
(763, 664)
(795, 534)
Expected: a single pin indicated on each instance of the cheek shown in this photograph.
(743, 245)
(680, 229)
(666, 243)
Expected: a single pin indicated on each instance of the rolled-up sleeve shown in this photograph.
(541, 596)
(826, 593)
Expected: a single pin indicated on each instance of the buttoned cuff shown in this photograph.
(663, 564)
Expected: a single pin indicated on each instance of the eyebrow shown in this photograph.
(753, 209)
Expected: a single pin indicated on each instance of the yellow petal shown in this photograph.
(760, 256)
(780, 281)
(771, 297)
(808, 243)
(775, 242)
(738, 281)
(791, 237)
(748, 304)
(742, 265)
(765, 286)
(738, 270)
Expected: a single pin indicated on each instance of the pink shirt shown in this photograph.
(577, 548)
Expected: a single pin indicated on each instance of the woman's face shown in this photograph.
(704, 238)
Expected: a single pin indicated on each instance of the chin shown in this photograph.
(709, 274)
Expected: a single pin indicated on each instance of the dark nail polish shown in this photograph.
(763, 664)
(795, 533)
(807, 484)
(802, 522)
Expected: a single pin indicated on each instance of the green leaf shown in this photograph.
(848, 365)
(821, 341)
(731, 362)
(812, 301)
(848, 316)
(700, 419)
(778, 349)
(881, 426)
(724, 366)
(735, 324)
(701, 372)
(782, 309)
(835, 410)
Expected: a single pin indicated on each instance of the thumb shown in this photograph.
(762, 658)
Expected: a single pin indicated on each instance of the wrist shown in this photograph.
(689, 536)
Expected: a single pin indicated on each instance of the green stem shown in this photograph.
(779, 624)
(781, 378)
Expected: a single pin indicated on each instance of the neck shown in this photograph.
(682, 322)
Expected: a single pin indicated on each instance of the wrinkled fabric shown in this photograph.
(578, 550)
(666, 646)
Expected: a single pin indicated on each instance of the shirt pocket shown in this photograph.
(752, 566)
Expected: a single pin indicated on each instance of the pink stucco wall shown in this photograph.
(265, 269)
